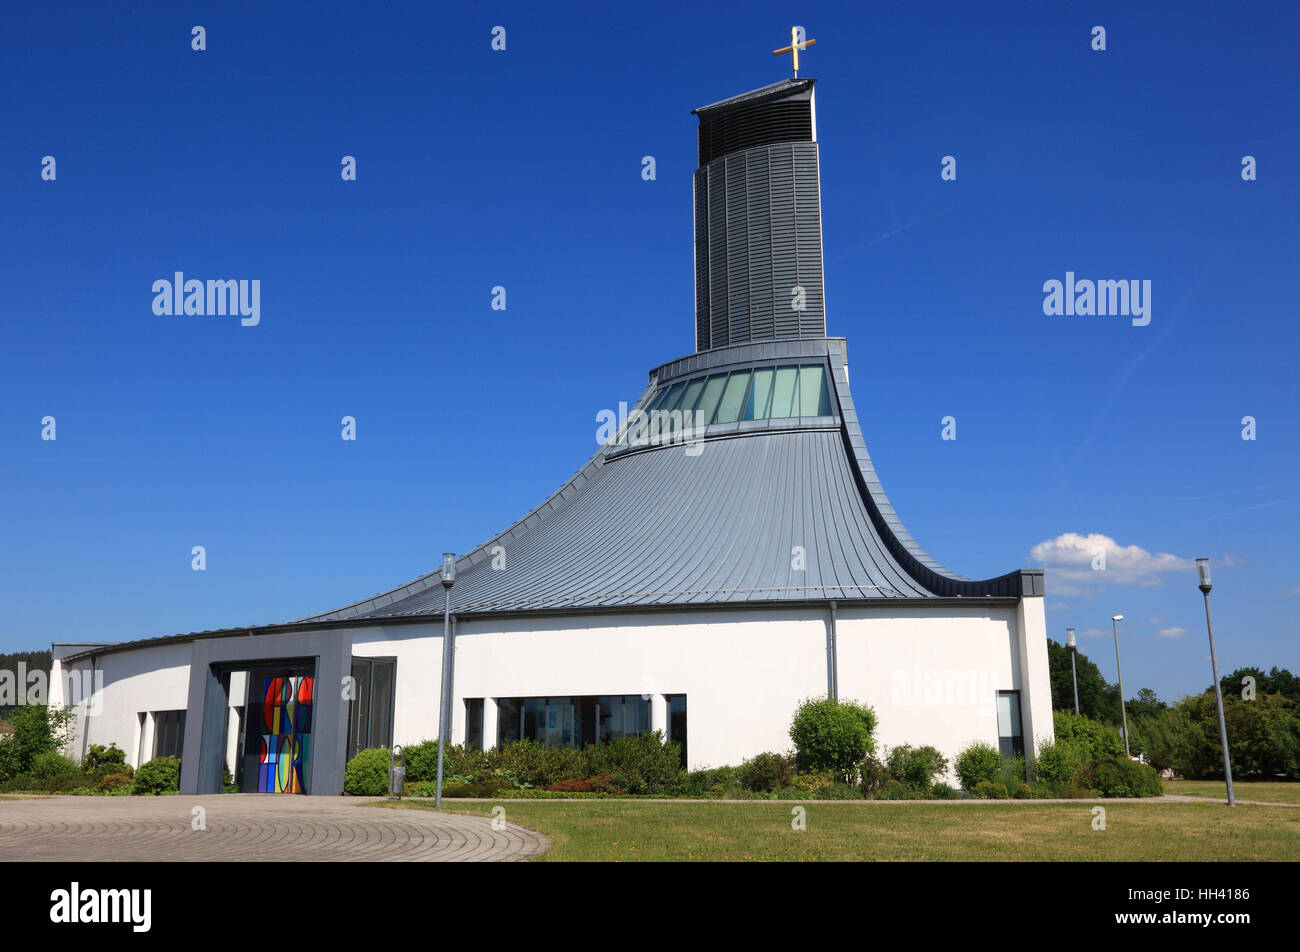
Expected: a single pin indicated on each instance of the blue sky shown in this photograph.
(522, 168)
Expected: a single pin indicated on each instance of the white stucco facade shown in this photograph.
(932, 672)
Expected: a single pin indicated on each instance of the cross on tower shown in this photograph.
(795, 46)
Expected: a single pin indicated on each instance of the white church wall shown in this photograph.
(932, 674)
(743, 672)
(143, 679)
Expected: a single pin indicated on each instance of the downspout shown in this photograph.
(832, 659)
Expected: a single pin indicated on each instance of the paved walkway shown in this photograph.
(261, 827)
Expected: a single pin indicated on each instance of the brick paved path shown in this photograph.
(263, 827)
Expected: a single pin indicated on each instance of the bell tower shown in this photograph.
(758, 224)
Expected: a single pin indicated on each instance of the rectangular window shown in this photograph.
(677, 722)
(813, 398)
(785, 397)
(474, 723)
(370, 706)
(1011, 739)
(571, 721)
(168, 733)
(732, 397)
(760, 395)
(709, 399)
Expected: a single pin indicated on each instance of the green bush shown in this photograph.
(112, 782)
(1059, 764)
(48, 764)
(37, 730)
(916, 767)
(764, 772)
(160, 775)
(98, 755)
(1122, 777)
(872, 774)
(943, 791)
(837, 791)
(9, 765)
(990, 790)
(366, 774)
(96, 774)
(641, 764)
(830, 734)
(977, 763)
(1024, 792)
(713, 782)
(896, 790)
(808, 784)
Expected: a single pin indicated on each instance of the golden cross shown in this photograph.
(795, 46)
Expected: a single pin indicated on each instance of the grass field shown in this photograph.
(1265, 791)
(623, 830)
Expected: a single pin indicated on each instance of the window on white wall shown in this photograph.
(168, 733)
(1011, 738)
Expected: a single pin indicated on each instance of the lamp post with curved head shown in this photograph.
(1073, 647)
(444, 712)
(1204, 584)
(1114, 624)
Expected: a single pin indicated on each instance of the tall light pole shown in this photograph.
(1114, 624)
(1073, 647)
(444, 713)
(1203, 582)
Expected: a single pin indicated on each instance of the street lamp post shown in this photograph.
(1114, 624)
(1203, 580)
(1073, 647)
(444, 713)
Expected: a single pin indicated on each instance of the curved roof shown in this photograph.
(718, 522)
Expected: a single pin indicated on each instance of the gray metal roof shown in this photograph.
(659, 527)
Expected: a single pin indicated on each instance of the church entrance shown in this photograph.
(275, 742)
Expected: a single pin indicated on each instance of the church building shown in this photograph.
(728, 552)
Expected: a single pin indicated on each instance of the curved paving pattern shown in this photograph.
(265, 828)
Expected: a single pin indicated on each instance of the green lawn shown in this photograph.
(623, 830)
(1262, 790)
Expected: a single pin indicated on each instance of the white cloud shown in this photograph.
(1074, 558)
(1172, 632)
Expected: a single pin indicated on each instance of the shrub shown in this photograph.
(98, 755)
(9, 766)
(38, 730)
(1059, 764)
(943, 791)
(978, 762)
(366, 774)
(97, 774)
(111, 782)
(916, 767)
(601, 783)
(1122, 777)
(715, 781)
(837, 790)
(808, 784)
(1024, 792)
(831, 734)
(49, 764)
(765, 772)
(641, 764)
(872, 773)
(160, 775)
(990, 790)
(896, 790)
